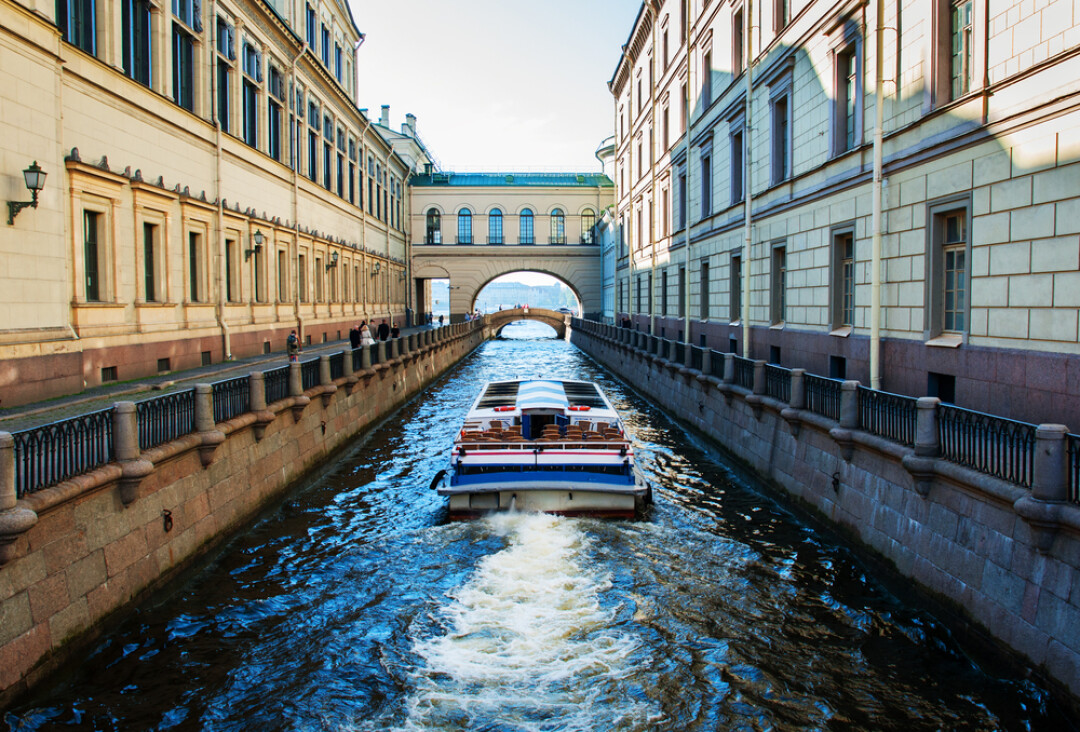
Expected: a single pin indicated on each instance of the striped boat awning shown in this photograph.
(542, 395)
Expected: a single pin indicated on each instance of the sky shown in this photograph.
(496, 85)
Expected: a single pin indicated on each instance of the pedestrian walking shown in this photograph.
(384, 330)
(292, 347)
(365, 335)
(354, 336)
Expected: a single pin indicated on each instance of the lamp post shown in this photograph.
(257, 237)
(34, 177)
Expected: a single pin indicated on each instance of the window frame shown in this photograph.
(557, 226)
(526, 227)
(778, 283)
(851, 47)
(464, 226)
(843, 280)
(433, 226)
(495, 226)
(937, 212)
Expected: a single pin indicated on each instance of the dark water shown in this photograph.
(356, 607)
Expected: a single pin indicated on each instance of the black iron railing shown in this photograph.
(680, 351)
(357, 358)
(823, 395)
(716, 366)
(374, 349)
(337, 365)
(744, 372)
(48, 454)
(165, 418)
(999, 447)
(1072, 446)
(778, 382)
(232, 398)
(664, 347)
(697, 357)
(309, 374)
(276, 384)
(888, 415)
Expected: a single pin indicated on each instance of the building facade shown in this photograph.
(211, 185)
(473, 227)
(747, 169)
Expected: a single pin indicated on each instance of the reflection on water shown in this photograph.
(357, 607)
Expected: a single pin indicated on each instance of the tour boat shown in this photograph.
(550, 446)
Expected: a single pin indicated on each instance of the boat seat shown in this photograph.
(602, 427)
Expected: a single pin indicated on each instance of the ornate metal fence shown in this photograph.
(778, 382)
(999, 447)
(165, 418)
(374, 348)
(697, 357)
(680, 352)
(309, 374)
(888, 415)
(337, 365)
(744, 372)
(57, 451)
(823, 396)
(232, 398)
(716, 365)
(1072, 446)
(276, 384)
(357, 358)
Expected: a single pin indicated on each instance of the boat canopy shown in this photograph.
(542, 395)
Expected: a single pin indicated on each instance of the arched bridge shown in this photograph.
(498, 320)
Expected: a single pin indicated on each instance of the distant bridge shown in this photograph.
(498, 320)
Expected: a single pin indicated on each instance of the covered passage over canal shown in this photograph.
(355, 605)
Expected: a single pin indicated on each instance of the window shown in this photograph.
(651, 293)
(352, 171)
(949, 255)
(704, 299)
(847, 112)
(282, 276)
(843, 295)
(735, 288)
(525, 227)
(781, 14)
(320, 275)
(325, 46)
(328, 141)
(588, 221)
(77, 20)
(737, 172)
(276, 97)
(706, 79)
(183, 68)
(312, 27)
(495, 227)
(680, 211)
(341, 162)
(778, 299)
(622, 236)
(151, 262)
(464, 226)
(737, 43)
(92, 256)
(637, 292)
(663, 292)
(138, 44)
(682, 292)
(434, 231)
(225, 56)
(706, 182)
(301, 277)
(252, 77)
(665, 130)
(685, 107)
(640, 229)
(337, 62)
(313, 141)
(558, 227)
(196, 268)
(960, 48)
(667, 55)
(780, 139)
(640, 95)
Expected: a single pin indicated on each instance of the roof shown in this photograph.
(551, 180)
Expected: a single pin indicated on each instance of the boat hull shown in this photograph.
(561, 501)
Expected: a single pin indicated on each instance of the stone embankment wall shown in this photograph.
(101, 541)
(1006, 557)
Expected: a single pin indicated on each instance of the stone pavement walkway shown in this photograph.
(25, 416)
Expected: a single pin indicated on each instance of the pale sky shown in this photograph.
(496, 85)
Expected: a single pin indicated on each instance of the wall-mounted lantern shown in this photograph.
(257, 237)
(34, 177)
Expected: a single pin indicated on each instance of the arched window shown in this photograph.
(558, 227)
(464, 226)
(525, 228)
(434, 230)
(588, 221)
(495, 235)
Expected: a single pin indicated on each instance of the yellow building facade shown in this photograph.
(211, 185)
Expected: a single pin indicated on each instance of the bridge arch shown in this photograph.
(498, 320)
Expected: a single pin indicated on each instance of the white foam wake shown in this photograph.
(527, 643)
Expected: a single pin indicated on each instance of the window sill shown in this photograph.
(946, 340)
(778, 326)
(843, 332)
(735, 323)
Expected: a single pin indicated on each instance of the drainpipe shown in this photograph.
(298, 115)
(875, 267)
(219, 309)
(686, 213)
(652, 170)
(748, 195)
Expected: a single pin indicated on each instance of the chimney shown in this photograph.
(409, 128)
(385, 119)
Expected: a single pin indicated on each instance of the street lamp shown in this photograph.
(257, 237)
(333, 261)
(34, 177)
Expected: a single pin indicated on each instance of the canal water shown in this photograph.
(356, 606)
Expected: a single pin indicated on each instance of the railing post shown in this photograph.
(706, 361)
(1044, 508)
(688, 355)
(926, 427)
(380, 352)
(257, 399)
(14, 522)
(798, 389)
(849, 404)
(365, 358)
(126, 431)
(324, 370)
(209, 435)
(296, 380)
(395, 348)
(729, 368)
(759, 376)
